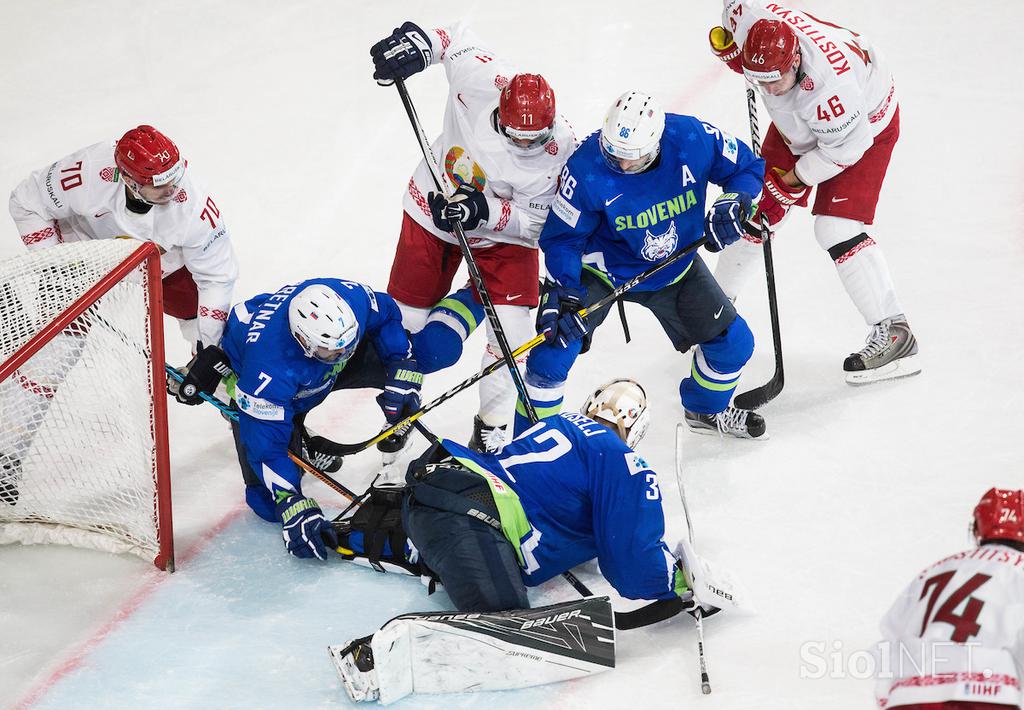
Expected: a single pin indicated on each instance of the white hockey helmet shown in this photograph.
(621, 405)
(323, 324)
(632, 132)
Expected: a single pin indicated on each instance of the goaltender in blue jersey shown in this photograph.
(632, 195)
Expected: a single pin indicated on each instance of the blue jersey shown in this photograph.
(621, 225)
(276, 380)
(586, 495)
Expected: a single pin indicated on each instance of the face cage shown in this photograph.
(612, 162)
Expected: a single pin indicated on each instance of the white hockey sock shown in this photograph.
(413, 318)
(737, 263)
(865, 276)
(498, 391)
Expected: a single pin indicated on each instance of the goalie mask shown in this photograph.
(621, 405)
(323, 324)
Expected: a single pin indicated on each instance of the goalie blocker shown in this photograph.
(458, 653)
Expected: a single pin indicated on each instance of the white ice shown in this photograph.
(273, 105)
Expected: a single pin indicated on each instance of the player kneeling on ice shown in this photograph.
(954, 640)
(489, 525)
(288, 350)
(835, 121)
(634, 194)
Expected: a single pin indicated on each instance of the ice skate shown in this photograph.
(10, 477)
(741, 423)
(325, 462)
(487, 439)
(354, 663)
(890, 353)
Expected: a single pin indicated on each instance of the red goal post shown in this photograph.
(83, 414)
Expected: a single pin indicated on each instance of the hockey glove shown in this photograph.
(778, 197)
(559, 319)
(724, 46)
(406, 52)
(468, 205)
(202, 375)
(723, 224)
(306, 533)
(401, 395)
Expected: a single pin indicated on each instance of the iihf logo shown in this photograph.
(658, 246)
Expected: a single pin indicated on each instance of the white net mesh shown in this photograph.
(77, 442)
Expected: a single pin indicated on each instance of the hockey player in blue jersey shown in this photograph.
(629, 197)
(289, 350)
(567, 491)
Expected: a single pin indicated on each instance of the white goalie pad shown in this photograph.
(711, 587)
(458, 653)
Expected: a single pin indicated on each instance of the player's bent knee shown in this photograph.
(731, 350)
(832, 231)
(436, 347)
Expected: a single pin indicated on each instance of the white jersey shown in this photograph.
(519, 188)
(957, 632)
(846, 95)
(82, 197)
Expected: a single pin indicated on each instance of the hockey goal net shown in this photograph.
(83, 416)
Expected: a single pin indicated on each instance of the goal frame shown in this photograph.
(149, 253)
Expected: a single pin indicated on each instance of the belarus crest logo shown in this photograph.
(658, 246)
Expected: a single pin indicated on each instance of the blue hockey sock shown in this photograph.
(451, 321)
(716, 369)
(546, 398)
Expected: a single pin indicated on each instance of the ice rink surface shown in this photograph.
(856, 491)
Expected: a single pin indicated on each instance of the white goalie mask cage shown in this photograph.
(622, 406)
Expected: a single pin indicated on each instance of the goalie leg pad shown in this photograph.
(458, 653)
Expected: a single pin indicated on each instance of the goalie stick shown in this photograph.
(337, 449)
(698, 612)
(759, 396)
(467, 253)
(231, 413)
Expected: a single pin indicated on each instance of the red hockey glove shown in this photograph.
(725, 48)
(777, 197)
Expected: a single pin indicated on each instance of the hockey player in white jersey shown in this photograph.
(138, 187)
(955, 637)
(835, 121)
(502, 146)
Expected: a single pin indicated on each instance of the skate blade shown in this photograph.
(896, 370)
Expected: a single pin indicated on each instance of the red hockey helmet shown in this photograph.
(769, 51)
(148, 157)
(526, 109)
(1000, 516)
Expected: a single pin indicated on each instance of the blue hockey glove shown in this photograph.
(401, 395)
(306, 533)
(406, 52)
(467, 205)
(558, 317)
(723, 224)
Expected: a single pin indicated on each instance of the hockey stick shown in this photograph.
(759, 396)
(228, 411)
(698, 612)
(336, 449)
(467, 254)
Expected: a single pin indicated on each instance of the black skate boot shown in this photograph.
(487, 439)
(10, 477)
(890, 353)
(741, 423)
(396, 442)
(328, 463)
